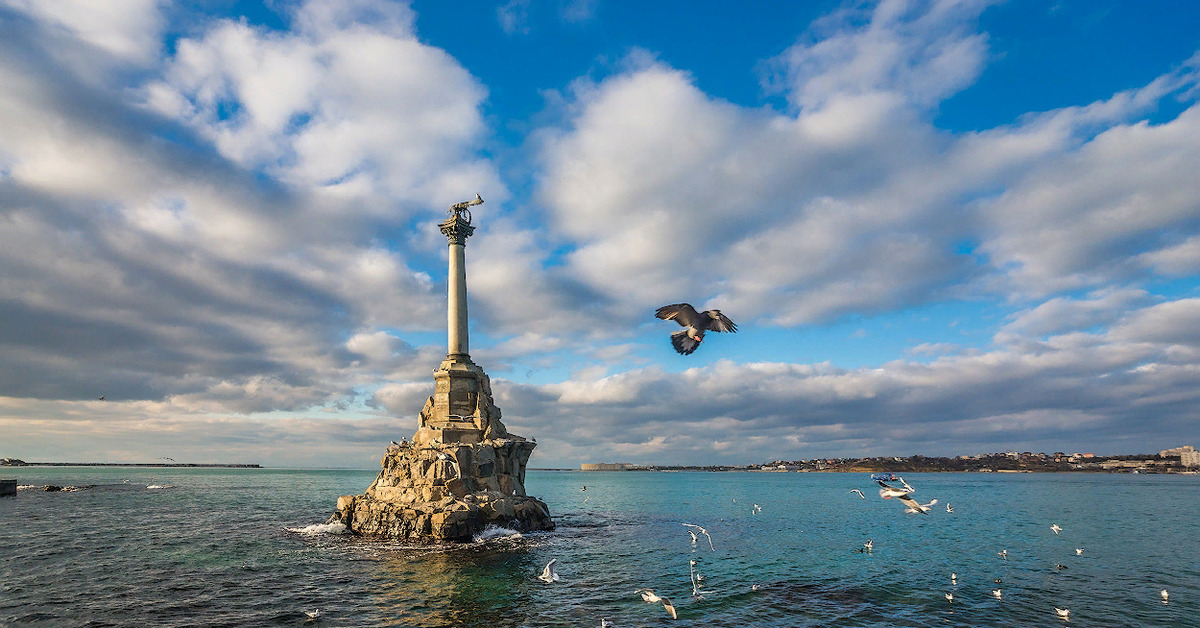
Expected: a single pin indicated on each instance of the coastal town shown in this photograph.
(1185, 459)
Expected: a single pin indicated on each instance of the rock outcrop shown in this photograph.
(446, 492)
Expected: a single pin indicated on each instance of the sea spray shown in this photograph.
(321, 528)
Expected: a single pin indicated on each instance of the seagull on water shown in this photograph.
(650, 597)
(996, 593)
(701, 530)
(695, 323)
(1164, 595)
(948, 508)
(860, 493)
(1004, 554)
(314, 614)
(548, 574)
(1062, 612)
(869, 545)
(1054, 526)
(953, 577)
(1078, 551)
(949, 597)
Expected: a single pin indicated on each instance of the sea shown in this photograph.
(247, 547)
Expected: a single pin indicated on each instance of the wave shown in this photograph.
(336, 527)
(158, 486)
(494, 532)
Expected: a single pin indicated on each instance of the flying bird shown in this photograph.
(695, 325)
(701, 530)
(650, 597)
(166, 458)
(1003, 554)
(1054, 526)
(914, 507)
(860, 493)
(101, 398)
(869, 545)
(548, 574)
(948, 508)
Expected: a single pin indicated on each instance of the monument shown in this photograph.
(462, 472)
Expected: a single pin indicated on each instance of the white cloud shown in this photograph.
(128, 30)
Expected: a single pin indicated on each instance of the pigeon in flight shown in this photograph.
(695, 325)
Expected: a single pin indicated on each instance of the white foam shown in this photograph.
(158, 486)
(337, 527)
(493, 532)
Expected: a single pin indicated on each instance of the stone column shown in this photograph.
(457, 229)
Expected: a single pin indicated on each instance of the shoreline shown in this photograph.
(137, 464)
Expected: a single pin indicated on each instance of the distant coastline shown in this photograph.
(134, 464)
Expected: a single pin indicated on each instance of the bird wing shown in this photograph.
(912, 503)
(669, 606)
(682, 313)
(719, 322)
(683, 343)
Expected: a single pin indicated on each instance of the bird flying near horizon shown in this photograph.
(695, 325)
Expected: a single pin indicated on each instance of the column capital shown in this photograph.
(457, 229)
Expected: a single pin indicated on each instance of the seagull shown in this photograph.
(914, 507)
(1059, 567)
(953, 577)
(548, 574)
(757, 509)
(313, 614)
(604, 623)
(650, 597)
(1054, 526)
(887, 491)
(701, 531)
(1078, 551)
(696, 578)
(1004, 554)
(166, 458)
(1164, 595)
(949, 597)
(584, 487)
(395, 444)
(860, 493)
(948, 508)
(1062, 612)
(101, 398)
(696, 323)
(996, 593)
(869, 545)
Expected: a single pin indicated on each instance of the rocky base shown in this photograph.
(446, 492)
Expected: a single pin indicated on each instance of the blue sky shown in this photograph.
(942, 227)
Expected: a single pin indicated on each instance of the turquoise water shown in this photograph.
(214, 550)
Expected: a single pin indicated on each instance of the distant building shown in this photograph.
(606, 466)
(1190, 458)
(1176, 451)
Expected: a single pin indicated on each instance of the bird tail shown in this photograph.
(683, 343)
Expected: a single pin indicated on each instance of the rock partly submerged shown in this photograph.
(446, 492)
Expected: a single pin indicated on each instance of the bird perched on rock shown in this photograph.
(695, 325)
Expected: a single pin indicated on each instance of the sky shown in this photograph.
(943, 227)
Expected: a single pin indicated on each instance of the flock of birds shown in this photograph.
(890, 487)
(903, 492)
